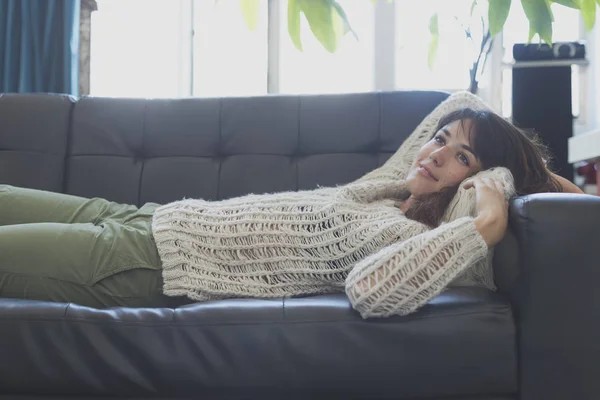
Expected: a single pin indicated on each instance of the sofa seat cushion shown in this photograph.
(462, 343)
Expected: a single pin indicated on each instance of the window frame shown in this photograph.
(384, 63)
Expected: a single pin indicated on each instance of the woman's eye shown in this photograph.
(439, 139)
(464, 159)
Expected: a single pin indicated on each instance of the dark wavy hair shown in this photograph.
(497, 143)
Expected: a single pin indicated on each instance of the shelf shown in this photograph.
(545, 63)
(584, 147)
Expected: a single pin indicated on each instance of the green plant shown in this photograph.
(328, 21)
(477, 33)
(482, 27)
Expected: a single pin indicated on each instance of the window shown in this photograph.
(180, 48)
(228, 58)
(176, 48)
(136, 48)
(315, 70)
(455, 52)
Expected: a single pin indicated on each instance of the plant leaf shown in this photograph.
(588, 10)
(473, 5)
(435, 39)
(344, 17)
(497, 14)
(568, 3)
(540, 18)
(549, 2)
(294, 23)
(339, 22)
(531, 34)
(324, 21)
(250, 11)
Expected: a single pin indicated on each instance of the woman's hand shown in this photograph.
(492, 209)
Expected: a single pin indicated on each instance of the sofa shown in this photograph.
(536, 337)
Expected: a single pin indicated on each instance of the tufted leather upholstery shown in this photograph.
(162, 150)
(463, 344)
(33, 139)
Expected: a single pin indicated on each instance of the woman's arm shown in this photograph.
(568, 186)
(402, 277)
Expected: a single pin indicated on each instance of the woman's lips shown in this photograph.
(425, 172)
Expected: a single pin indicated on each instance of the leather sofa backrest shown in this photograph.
(34, 132)
(137, 151)
(140, 150)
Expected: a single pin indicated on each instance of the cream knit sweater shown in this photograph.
(351, 238)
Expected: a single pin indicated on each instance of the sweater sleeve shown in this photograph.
(403, 276)
(375, 189)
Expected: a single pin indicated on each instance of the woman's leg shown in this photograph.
(30, 206)
(104, 265)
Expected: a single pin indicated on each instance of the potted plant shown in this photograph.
(328, 23)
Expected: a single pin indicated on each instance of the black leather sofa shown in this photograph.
(537, 338)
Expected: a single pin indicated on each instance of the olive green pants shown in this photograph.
(92, 252)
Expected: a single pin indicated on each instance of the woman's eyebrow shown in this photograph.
(464, 146)
(470, 150)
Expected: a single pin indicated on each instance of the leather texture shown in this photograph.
(556, 300)
(34, 132)
(291, 396)
(463, 345)
(138, 151)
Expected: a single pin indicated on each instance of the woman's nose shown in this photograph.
(437, 157)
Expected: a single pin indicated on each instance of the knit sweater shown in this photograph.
(352, 238)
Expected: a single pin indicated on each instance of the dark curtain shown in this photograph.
(39, 44)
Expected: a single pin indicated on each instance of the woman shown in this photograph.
(390, 241)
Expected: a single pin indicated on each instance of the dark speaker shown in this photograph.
(542, 101)
(542, 51)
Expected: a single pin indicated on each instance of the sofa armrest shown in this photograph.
(557, 295)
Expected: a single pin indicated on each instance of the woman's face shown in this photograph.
(445, 161)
